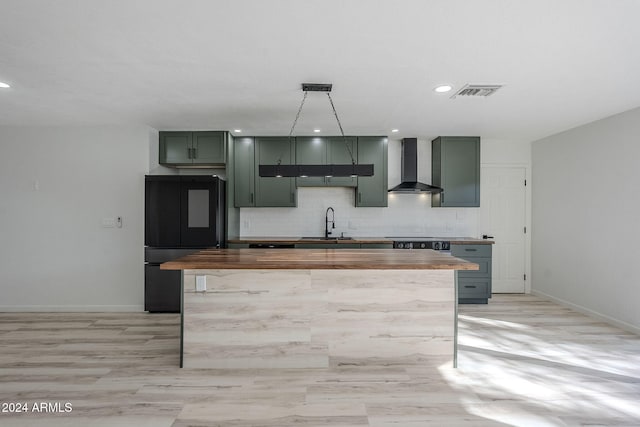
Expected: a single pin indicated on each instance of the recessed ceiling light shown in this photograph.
(395, 130)
(237, 130)
(4, 85)
(443, 88)
(316, 130)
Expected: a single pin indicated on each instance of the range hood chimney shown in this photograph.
(409, 171)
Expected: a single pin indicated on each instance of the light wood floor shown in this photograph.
(523, 361)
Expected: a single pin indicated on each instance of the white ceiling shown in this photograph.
(239, 64)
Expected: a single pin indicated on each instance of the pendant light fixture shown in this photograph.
(322, 170)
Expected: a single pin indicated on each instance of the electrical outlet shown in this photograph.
(201, 283)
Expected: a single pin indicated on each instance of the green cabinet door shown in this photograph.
(456, 168)
(208, 148)
(244, 172)
(175, 148)
(274, 192)
(342, 151)
(311, 150)
(372, 190)
(474, 286)
(376, 245)
(322, 150)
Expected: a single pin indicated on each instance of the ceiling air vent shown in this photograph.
(477, 90)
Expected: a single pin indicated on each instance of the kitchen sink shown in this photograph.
(325, 238)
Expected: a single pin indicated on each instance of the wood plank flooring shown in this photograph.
(523, 361)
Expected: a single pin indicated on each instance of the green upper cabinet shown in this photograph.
(175, 148)
(250, 190)
(341, 151)
(206, 148)
(311, 150)
(244, 172)
(456, 168)
(372, 190)
(272, 192)
(319, 150)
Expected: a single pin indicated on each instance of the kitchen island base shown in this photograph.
(315, 318)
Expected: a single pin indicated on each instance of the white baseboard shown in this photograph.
(591, 313)
(70, 308)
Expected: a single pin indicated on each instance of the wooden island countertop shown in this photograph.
(318, 308)
(318, 259)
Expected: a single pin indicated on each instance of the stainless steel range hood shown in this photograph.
(409, 171)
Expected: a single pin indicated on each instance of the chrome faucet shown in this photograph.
(327, 233)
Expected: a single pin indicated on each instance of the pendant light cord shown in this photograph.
(304, 98)
(335, 113)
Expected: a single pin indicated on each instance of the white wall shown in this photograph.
(407, 214)
(57, 186)
(586, 231)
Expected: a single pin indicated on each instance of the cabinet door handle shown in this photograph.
(251, 197)
(469, 286)
(470, 250)
(195, 153)
(188, 152)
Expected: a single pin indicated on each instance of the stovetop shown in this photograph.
(435, 243)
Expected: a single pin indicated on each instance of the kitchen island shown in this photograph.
(317, 308)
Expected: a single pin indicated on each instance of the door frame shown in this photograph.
(527, 214)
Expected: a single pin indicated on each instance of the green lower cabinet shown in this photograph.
(376, 245)
(237, 245)
(327, 246)
(474, 286)
(372, 191)
(474, 291)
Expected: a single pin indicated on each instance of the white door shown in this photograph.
(503, 216)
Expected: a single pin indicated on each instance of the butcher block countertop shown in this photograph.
(294, 240)
(360, 240)
(318, 259)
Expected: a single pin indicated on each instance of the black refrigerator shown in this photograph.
(183, 214)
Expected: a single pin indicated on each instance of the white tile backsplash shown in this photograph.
(407, 215)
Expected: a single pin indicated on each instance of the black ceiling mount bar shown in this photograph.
(317, 87)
